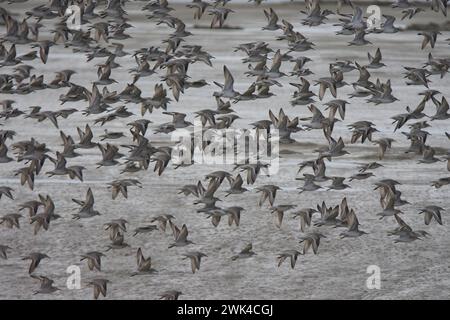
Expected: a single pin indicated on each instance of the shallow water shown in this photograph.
(408, 271)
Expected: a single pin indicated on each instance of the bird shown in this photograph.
(428, 155)
(383, 145)
(369, 166)
(353, 226)
(389, 209)
(431, 212)
(375, 61)
(234, 215)
(279, 210)
(291, 254)
(162, 220)
(46, 286)
(236, 186)
(121, 186)
(284, 125)
(61, 168)
(447, 157)
(338, 184)
(44, 48)
(272, 20)
(216, 215)
(411, 12)
(161, 159)
(116, 227)
(3, 251)
(109, 155)
(35, 258)
(361, 176)
(247, 252)
(145, 229)
(405, 233)
(144, 265)
(4, 158)
(309, 184)
(85, 138)
(429, 37)
(100, 286)
(117, 242)
(359, 39)
(219, 14)
(439, 183)
(311, 240)
(170, 295)
(11, 220)
(305, 216)
(199, 6)
(195, 257)
(7, 192)
(268, 192)
(328, 215)
(111, 135)
(180, 236)
(227, 88)
(86, 207)
(388, 25)
(93, 259)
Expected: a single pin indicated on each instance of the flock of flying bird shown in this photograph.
(105, 25)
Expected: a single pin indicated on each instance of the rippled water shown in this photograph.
(416, 270)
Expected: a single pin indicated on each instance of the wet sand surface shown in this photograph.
(419, 269)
